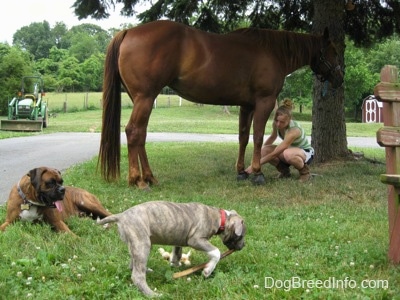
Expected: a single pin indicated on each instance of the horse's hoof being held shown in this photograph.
(258, 179)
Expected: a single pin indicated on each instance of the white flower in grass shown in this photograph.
(29, 295)
(79, 276)
(92, 269)
(352, 264)
(13, 264)
(29, 278)
(371, 266)
(256, 286)
(64, 266)
(19, 274)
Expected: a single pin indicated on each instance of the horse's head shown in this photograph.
(327, 66)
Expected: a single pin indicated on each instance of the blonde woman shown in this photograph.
(294, 150)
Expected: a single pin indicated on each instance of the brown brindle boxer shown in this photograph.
(40, 195)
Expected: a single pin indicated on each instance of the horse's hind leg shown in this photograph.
(136, 131)
(245, 118)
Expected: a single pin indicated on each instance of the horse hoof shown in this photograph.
(242, 176)
(143, 186)
(258, 179)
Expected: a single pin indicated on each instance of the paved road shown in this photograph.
(62, 150)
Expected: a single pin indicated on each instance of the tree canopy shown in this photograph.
(369, 21)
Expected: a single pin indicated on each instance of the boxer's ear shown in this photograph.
(36, 177)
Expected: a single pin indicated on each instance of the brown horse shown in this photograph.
(246, 67)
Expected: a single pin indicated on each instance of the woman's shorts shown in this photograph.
(309, 155)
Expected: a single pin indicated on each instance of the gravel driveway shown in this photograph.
(62, 150)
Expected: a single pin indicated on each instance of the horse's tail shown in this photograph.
(110, 144)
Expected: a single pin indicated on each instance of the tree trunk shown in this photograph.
(328, 134)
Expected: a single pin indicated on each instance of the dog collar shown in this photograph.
(26, 200)
(223, 220)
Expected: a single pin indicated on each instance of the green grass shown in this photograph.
(335, 226)
(332, 227)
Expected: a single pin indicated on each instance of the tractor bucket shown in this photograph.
(21, 125)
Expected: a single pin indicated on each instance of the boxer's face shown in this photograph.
(48, 184)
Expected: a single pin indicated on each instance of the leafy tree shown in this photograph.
(49, 67)
(369, 21)
(360, 81)
(82, 46)
(298, 87)
(70, 74)
(59, 31)
(385, 53)
(92, 72)
(36, 38)
(100, 37)
(14, 64)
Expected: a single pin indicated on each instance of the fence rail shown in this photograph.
(388, 91)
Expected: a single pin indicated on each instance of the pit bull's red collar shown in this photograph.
(223, 220)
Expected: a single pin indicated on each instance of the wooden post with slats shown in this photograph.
(388, 91)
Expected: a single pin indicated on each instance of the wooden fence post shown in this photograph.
(388, 91)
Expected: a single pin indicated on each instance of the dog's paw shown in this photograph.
(175, 264)
(209, 268)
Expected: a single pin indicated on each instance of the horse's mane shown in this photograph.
(283, 44)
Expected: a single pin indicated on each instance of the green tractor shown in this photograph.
(27, 111)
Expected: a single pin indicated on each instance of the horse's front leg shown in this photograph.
(245, 118)
(136, 130)
(261, 115)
